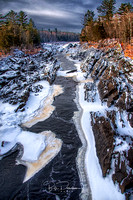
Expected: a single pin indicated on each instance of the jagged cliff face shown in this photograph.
(113, 130)
(19, 72)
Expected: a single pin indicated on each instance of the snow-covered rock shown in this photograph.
(19, 72)
(25, 84)
(112, 74)
(112, 121)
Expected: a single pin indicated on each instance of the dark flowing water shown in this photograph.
(59, 179)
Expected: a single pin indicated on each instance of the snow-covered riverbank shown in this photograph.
(39, 96)
(10, 131)
(107, 126)
(26, 98)
(101, 188)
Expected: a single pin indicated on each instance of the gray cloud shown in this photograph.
(64, 15)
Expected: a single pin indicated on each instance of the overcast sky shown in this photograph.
(66, 15)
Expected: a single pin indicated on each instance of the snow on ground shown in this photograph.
(46, 109)
(121, 145)
(36, 100)
(10, 131)
(54, 46)
(66, 46)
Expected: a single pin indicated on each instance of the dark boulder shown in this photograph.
(103, 134)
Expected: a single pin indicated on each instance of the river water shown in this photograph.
(59, 179)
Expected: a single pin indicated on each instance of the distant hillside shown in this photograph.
(55, 36)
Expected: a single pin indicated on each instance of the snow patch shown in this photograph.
(121, 145)
(36, 100)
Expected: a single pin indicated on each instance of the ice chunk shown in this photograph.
(33, 145)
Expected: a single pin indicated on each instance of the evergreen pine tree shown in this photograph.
(125, 8)
(107, 8)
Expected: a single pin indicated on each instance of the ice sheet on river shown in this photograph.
(10, 131)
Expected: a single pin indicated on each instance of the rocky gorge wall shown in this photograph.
(112, 76)
(20, 71)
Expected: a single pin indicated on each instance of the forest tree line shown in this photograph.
(17, 31)
(109, 23)
(56, 36)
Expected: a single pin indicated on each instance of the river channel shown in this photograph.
(59, 179)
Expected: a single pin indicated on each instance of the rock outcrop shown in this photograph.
(113, 131)
(19, 72)
(104, 138)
